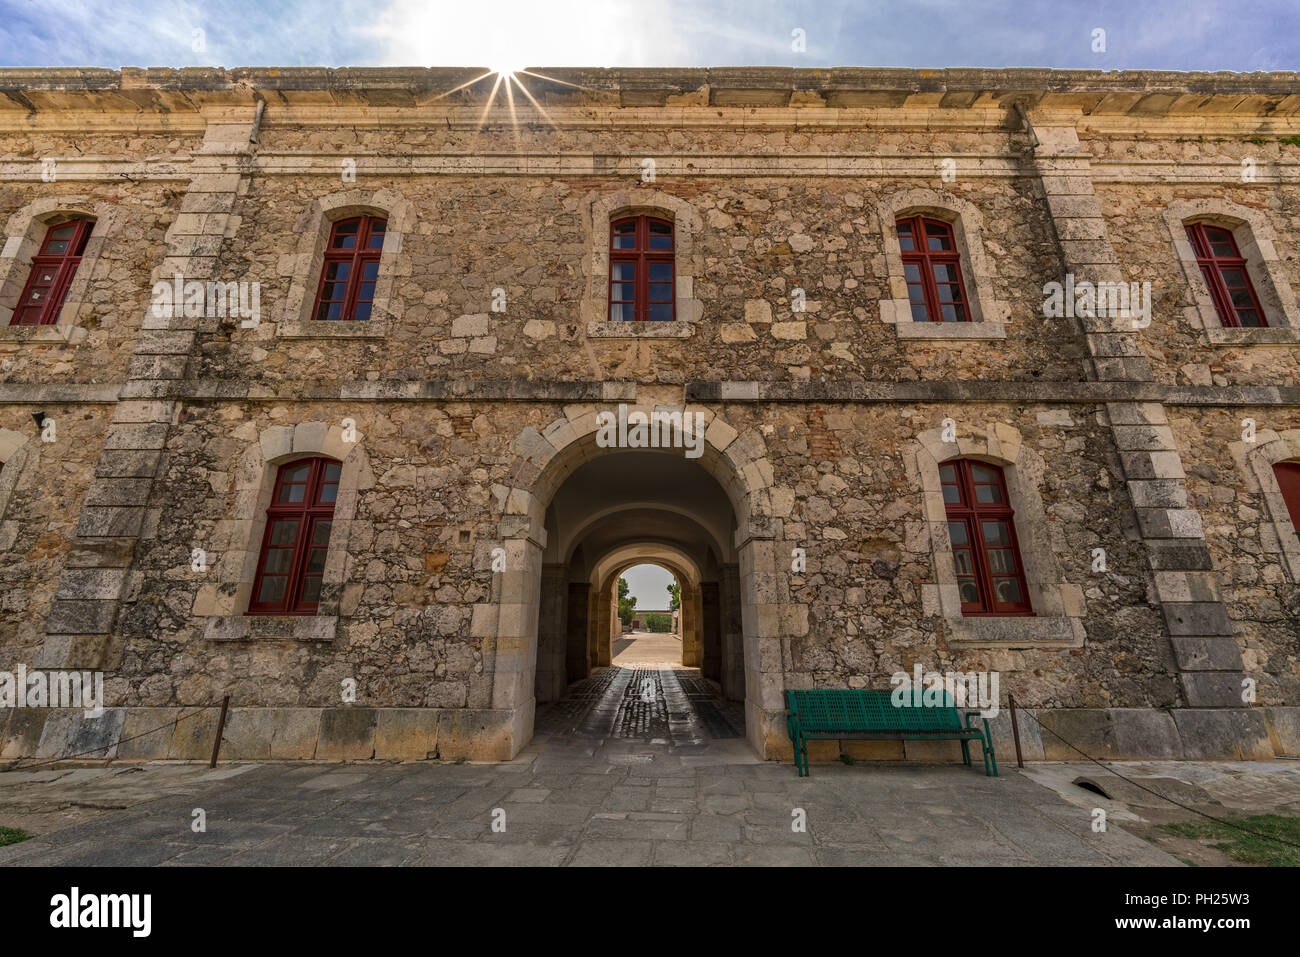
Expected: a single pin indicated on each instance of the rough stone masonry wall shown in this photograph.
(761, 238)
(97, 539)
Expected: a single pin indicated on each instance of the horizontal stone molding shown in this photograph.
(849, 392)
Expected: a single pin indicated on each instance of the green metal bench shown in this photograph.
(837, 715)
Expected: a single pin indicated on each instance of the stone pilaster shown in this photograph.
(1205, 650)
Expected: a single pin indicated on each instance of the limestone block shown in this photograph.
(406, 734)
(69, 732)
(1238, 733)
(347, 734)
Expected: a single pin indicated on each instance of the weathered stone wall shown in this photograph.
(106, 324)
(1179, 352)
(40, 518)
(1260, 589)
(761, 238)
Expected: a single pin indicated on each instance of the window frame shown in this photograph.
(641, 256)
(1288, 483)
(357, 258)
(1212, 265)
(925, 259)
(309, 514)
(973, 513)
(65, 267)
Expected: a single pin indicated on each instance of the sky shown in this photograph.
(649, 585)
(1239, 35)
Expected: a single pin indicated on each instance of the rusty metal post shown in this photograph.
(1015, 729)
(221, 727)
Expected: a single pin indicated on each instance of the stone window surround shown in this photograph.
(239, 539)
(14, 449)
(23, 235)
(1057, 621)
(295, 320)
(605, 208)
(1269, 449)
(988, 315)
(1257, 243)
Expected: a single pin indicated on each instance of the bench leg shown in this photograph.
(965, 752)
(986, 744)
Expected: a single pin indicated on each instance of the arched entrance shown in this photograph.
(579, 513)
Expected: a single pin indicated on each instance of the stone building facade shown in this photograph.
(479, 523)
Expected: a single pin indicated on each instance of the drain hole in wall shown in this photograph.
(1092, 786)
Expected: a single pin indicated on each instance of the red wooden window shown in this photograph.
(981, 525)
(1225, 273)
(932, 266)
(52, 271)
(347, 281)
(298, 525)
(1288, 479)
(641, 280)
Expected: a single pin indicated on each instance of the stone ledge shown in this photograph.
(640, 330)
(256, 627)
(324, 329)
(1248, 336)
(951, 331)
(1027, 631)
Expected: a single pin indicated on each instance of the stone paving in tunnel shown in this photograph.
(657, 704)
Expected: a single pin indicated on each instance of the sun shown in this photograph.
(506, 70)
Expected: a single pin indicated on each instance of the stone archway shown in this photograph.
(737, 463)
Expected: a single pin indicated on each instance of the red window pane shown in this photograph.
(982, 531)
(52, 272)
(935, 290)
(350, 269)
(1226, 275)
(295, 545)
(642, 285)
(1288, 480)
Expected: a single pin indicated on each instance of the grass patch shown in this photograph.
(1247, 848)
(12, 835)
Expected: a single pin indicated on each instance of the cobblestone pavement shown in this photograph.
(634, 767)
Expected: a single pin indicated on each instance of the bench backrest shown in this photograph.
(844, 710)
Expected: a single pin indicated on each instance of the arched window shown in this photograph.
(298, 525)
(347, 281)
(1224, 269)
(52, 271)
(982, 528)
(1288, 480)
(932, 267)
(641, 281)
